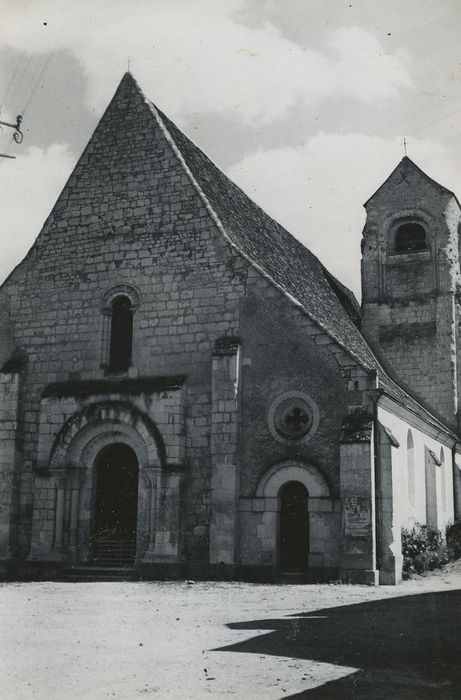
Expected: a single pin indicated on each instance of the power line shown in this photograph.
(21, 78)
(17, 66)
(37, 81)
(399, 122)
(436, 121)
(23, 82)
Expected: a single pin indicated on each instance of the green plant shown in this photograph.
(423, 549)
(454, 539)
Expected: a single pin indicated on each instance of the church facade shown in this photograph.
(185, 390)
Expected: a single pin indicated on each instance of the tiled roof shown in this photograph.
(279, 255)
(284, 260)
(407, 164)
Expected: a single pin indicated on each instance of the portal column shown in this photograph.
(73, 527)
(59, 516)
(147, 514)
(48, 518)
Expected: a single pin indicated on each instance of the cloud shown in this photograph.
(317, 191)
(30, 186)
(365, 71)
(197, 57)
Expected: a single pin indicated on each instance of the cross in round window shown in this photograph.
(295, 421)
(293, 417)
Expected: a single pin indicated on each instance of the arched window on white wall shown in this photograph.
(443, 485)
(411, 476)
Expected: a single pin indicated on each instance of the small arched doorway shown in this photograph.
(293, 539)
(115, 505)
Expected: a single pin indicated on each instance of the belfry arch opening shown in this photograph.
(115, 505)
(410, 238)
(293, 528)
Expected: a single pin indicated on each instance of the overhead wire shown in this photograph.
(399, 122)
(21, 79)
(436, 121)
(23, 86)
(30, 81)
(17, 65)
(38, 78)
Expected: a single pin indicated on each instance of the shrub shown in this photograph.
(454, 539)
(424, 549)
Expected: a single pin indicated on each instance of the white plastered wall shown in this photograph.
(413, 510)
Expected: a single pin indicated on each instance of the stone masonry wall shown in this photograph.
(128, 216)
(283, 351)
(408, 299)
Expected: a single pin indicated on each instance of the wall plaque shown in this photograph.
(357, 516)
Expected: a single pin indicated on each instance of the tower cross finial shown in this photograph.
(405, 145)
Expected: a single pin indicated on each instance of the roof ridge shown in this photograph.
(427, 177)
(126, 76)
(164, 117)
(161, 117)
(267, 246)
(374, 363)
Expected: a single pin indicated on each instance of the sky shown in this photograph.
(303, 103)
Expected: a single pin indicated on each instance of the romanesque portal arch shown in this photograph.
(295, 489)
(104, 473)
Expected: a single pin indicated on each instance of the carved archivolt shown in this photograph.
(85, 433)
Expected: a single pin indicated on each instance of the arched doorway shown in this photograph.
(115, 505)
(293, 539)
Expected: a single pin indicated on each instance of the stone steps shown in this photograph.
(295, 578)
(114, 552)
(97, 572)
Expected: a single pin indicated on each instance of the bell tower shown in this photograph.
(410, 285)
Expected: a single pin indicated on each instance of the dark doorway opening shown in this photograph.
(293, 528)
(116, 505)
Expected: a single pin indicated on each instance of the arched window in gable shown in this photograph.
(411, 475)
(121, 334)
(119, 305)
(410, 238)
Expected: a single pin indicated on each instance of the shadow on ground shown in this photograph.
(405, 648)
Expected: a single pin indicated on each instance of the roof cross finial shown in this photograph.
(129, 63)
(405, 145)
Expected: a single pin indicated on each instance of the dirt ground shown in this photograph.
(219, 640)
